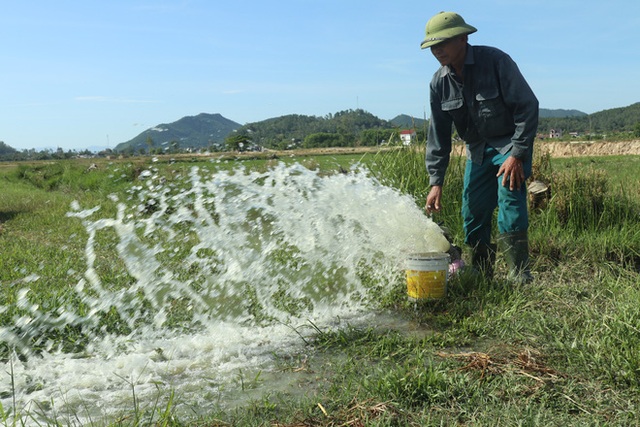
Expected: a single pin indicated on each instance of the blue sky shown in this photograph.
(78, 74)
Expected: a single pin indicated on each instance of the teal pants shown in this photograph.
(483, 192)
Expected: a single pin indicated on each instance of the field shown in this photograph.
(562, 351)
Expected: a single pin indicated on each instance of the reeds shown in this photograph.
(583, 206)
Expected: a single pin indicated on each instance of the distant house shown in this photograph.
(408, 136)
(555, 133)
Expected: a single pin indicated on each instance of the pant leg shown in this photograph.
(479, 199)
(512, 205)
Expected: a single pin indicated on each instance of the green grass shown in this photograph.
(620, 171)
(560, 352)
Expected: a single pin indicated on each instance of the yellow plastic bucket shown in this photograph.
(427, 275)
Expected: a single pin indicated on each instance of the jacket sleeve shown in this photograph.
(438, 151)
(523, 103)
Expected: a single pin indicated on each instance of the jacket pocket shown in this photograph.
(455, 108)
(489, 104)
(450, 105)
(493, 117)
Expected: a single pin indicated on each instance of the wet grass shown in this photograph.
(562, 351)
(558, 353)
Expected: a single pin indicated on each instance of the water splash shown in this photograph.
(197, 277)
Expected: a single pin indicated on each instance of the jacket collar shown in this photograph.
(469, 59)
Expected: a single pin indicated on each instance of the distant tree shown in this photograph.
(237, 142)
(59, 154)
(373, 137)
(149, 144)
(636, 130)
(321, 140)
(174, 146)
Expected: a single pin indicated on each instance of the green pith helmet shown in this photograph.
(443, 26)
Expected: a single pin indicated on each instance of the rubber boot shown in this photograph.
(515, 247)
(483, 257)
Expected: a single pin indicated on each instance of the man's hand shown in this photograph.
(512, 172)
(433, 199)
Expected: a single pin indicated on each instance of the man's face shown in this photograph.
(450, 51)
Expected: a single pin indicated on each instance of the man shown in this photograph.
(481, 91)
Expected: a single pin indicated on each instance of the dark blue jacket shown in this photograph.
(494, 106)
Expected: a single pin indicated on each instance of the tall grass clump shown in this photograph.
(584, 198)
(585, 216)
(405, 170)
(58, 175)
(80, 175)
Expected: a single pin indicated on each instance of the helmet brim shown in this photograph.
(449, 33)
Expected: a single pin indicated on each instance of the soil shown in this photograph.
(589, 148)
(554, 148)
(581, 148)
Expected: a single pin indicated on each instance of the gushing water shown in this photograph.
(194, 280)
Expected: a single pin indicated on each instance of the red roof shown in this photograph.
(407, 132)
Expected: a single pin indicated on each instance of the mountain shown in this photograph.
(408, 122)
(623, 119)
(203, 130)
(546, 113)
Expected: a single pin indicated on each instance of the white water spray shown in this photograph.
(208, 275)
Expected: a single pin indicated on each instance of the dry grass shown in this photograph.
(357, 414)
(525, 362)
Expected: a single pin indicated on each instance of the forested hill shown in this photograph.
(545, 112)
(624, 119)
(333, 130)
(203, 130)
(347, 128)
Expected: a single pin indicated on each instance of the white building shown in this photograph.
(555, 133)
(408, 136)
